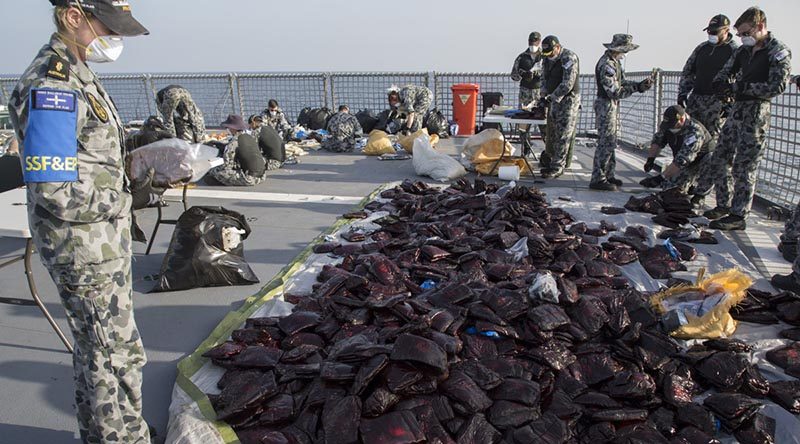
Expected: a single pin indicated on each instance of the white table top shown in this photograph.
(496, 118)
(14, 208)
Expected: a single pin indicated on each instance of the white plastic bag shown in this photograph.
(519, 250)
(174, 160)
(429, 162)
(544, 287)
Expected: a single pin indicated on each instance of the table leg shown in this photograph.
(155, 231)
(35, 296)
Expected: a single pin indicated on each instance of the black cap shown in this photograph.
(154, 122)
(234, 122)
(671, 116)
(115, 14)
(717, 22)
(549, 44)
(534, 36)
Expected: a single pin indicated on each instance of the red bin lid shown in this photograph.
(465, 87)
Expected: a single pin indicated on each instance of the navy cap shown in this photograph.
(549, 45)
(671, 116)
(115, 14)
(534, 37)
(717, 22)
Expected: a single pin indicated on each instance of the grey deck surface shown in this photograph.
(36, 373)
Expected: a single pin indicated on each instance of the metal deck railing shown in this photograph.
(247, 93)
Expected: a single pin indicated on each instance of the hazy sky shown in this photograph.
(408, 35)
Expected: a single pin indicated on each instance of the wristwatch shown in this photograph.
(681, 162)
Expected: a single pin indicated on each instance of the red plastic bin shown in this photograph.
(465, 107)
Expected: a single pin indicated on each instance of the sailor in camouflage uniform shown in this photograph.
(414, 103)
(561, 92)
(758, 71)
(244, 165)
(696, 94)
(344, 130)
(691, 144)
(611, 88)
(527, 70)
(79, 210)
(182, 118)
(274, 116)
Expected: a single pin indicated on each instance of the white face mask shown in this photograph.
(104, 49)
(533, 48)
(713, 39)
(749, 41)
(621, 57)
(675, 130)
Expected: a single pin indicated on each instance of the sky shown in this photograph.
(410, 35)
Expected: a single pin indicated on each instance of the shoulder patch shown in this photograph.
(52, 100)
(690, 140)
(610, 71)
(782, 54)
(568, 63)
(58, 68)
(97, 107)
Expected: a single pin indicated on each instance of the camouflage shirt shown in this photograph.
(527, 69)
(610, 77)
(759, 75)
(567, 69)
(63, 215)
(277, 120)
(692, 140)
(703, 65)
(415, 99)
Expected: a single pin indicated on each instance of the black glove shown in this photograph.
(797, 81)
(144, 193)
(650, 164)
(543, 102)
(682, 101)
(645, 85)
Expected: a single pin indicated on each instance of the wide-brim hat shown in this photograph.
(235, 122)
(621, 43)
(115, 14)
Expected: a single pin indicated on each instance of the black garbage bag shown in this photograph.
(197, 255)
(759, 430)
(314, 118)
(10, 173)
(732, 409)
(367, 119)
(723, 370)
(786, 394)
(787, 358)
(437, 123)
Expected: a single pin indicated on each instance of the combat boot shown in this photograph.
(717, 212)
(551, 173)
(603, 186)
(729, 223)
(697, 201)
(615, 181)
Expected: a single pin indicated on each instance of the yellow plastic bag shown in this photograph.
(717, 323)
(407, 142)
(485, 168)
(378, 144)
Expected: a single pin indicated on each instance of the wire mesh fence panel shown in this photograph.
(132, 95)
(7, 85)
(212, 93)
(488, 83)
(637, 114)
(292, 91)
(586, 118)
(779, 171)
(670, 81)
(368, 90)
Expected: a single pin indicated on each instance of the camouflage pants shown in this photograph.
(691, 174)
(109, 355)
(738, 154)
(527, 96)
(234, 177)
(791, 231)
(562, 122)
(343, 146)
(708, 111)
(189, 124)
(605, 159)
